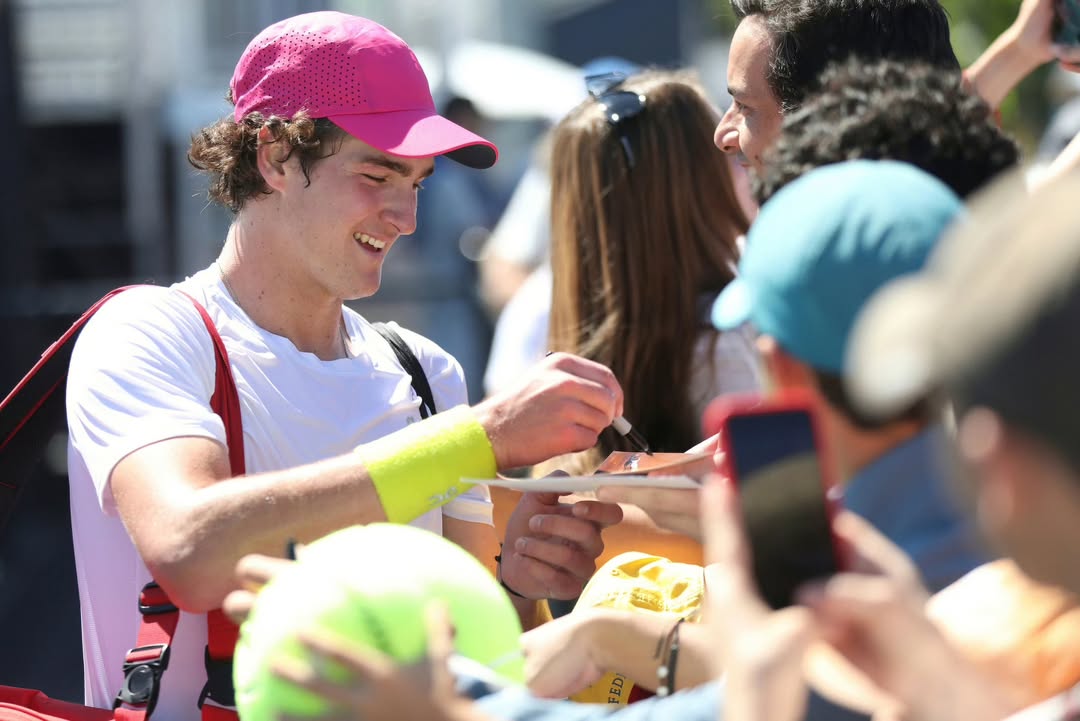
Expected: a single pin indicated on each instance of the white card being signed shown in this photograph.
(575, 484)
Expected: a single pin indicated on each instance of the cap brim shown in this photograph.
(892, 355)
(419, 134)
(732, 307)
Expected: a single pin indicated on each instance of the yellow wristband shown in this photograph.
(420, 467)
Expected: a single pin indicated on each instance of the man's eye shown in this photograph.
(375, 178)
(418, 186)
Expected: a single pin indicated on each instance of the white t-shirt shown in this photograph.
(143, 371)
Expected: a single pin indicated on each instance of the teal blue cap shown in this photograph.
(824, 244)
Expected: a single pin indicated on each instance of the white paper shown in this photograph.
(573, 484)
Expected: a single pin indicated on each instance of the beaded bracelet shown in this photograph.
(665, 673)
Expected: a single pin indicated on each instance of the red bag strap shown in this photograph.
(144, 664)
(225, 401)
(222, 633)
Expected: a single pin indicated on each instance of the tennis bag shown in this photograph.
(29, 416)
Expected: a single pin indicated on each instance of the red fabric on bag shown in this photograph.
(21, 704)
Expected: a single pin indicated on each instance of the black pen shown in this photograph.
(623, 428)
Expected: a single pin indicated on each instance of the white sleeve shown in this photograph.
(736, 363)
(142, 371)
(474, 506)
(734, 367)
(447, 381)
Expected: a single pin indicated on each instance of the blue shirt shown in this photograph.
(907, 497)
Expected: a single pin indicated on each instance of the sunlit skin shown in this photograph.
(293, 256)
(752, 121)
(358, 190)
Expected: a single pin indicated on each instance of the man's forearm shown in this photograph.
(192, 541)
(1000, 69)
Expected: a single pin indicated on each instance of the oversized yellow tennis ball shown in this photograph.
(370, 585)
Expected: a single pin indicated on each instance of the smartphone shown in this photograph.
(1067, 22)
(774, 450)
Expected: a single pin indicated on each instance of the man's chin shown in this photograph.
(365, 290)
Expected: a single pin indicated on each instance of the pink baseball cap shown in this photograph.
(361, 77)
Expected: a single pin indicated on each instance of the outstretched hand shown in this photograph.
(875, 617)
(1024, 46)
(550, 549)
(252, 572)
(673, 509)
(559, 658)
(377, 687)
(759, 650)
(1033, 34)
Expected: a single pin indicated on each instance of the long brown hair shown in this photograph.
(637, 251)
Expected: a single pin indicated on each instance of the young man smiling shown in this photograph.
(332, 133)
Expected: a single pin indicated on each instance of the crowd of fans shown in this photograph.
(895, 262)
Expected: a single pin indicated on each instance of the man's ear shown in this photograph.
(1001, 471)
(269, 159)
(784, 370)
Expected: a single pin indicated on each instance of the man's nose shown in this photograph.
(726, 136)
(401, 212)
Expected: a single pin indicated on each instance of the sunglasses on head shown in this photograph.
(619, 105)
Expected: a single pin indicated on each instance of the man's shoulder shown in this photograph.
(142, 321)
(155, 304)
(141, 304)
(443, 371)
(422, 347)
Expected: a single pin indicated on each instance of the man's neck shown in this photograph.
(268, 292)
(856, 448)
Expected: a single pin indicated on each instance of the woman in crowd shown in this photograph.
(645, 220)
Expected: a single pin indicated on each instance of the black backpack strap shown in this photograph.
(412, 366)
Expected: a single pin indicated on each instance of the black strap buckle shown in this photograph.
(142, 677)
(219, 682)
(152, 609)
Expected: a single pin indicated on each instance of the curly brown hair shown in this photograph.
(888, 110)
(227, 151)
